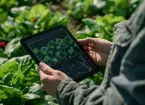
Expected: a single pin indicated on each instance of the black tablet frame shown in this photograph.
(24, 44)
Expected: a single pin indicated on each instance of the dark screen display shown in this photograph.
(59, 51)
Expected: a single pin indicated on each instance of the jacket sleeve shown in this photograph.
(122, 91)
(71, 93)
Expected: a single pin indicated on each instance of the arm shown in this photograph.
(128, 85)
(71, 93)
(126, 88)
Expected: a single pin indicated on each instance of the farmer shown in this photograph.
(124, 80)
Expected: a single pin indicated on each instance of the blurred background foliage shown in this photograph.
(19, 80)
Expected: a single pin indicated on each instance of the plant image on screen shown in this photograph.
(56, 50)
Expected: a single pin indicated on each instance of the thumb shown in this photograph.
(83, 42)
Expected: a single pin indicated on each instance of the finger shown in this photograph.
(90, 52)
(45, 68)
(86, 41)
(92, 55)
(42, 75)
(83, 42)
(87, 48)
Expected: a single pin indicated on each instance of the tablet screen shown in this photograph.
(61, 52)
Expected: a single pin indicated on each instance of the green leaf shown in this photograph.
(43, 18)
(24, 61)
(3, 60)
(92, 10)
(63, 20)
(97, 79)
(70, 50)
(23, 16)
(84, 34)
(8, 67)
(52, 21)
(23, 70)
(14, 48)
(47, 59)
(2, 54)
(14, 75)
(7, 78)
(45, 15)
(57, 54)
(37, 10)
(18, 79)
(35, 88)
(78, 11)
(102, 27)
(17, 10)
(9, 95)
(27, 71)
(3, 15)
(100, 4)
(31, 96)
(66, 46)
(91, 24)
(36, 50)
(87, 4)
(54, 60)
(7, 4)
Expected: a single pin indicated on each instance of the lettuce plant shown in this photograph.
(101, 27)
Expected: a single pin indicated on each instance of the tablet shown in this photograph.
(58, 48)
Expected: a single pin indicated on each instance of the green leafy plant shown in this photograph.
(101, 27)
(120, 7)
(79, 9)
(27, 21)
(19, 81)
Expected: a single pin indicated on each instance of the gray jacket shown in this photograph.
(124, 80)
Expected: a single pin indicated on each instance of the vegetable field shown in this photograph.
(19, 80)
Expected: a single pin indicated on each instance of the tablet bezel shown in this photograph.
(24, 44)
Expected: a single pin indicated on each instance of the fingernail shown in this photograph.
(41, 65)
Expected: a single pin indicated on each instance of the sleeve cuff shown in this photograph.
(65, 86)
(63, 83)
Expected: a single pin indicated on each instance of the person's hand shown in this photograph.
(98, 49)
(50, 78)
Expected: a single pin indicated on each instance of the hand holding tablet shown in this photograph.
(60, 50)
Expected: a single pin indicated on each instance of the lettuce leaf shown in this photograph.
(9, 95)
